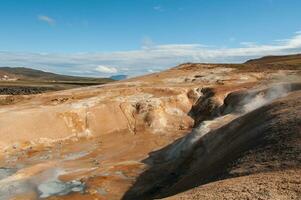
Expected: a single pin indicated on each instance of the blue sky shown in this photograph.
(107, 37)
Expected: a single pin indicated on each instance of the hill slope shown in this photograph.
(22, 73)
(286, 59)
(265, 151)
(19, 80)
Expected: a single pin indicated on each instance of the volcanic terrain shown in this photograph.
(196, 131)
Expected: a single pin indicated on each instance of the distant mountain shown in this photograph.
(119, 77)
(28, 74)
(285, 59)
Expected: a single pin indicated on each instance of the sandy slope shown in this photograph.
(280, 185)
(267, 156)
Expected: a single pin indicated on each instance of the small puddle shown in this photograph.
(101, 191)
(76, 155)
(59, 188)
(6, 172)
(44, 185)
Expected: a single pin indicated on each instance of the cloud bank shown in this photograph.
(149, 58)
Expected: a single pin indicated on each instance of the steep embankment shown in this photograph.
(151, 136)
(270, 135)
(264, 142)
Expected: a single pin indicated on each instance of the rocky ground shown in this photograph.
(210, 131)
(23, 90)
(280, 185)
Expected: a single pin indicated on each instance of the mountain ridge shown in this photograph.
(294, 59)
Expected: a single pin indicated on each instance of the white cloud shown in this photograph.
(125, 69)
(155, 57)
(248, 44)
(147, 43)
(158, 8)
(152, 71)
(46, 19)
(106, 69)
(232, 39)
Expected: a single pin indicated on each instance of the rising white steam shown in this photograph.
(265, 97)
(187, 143)
(252, 101)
